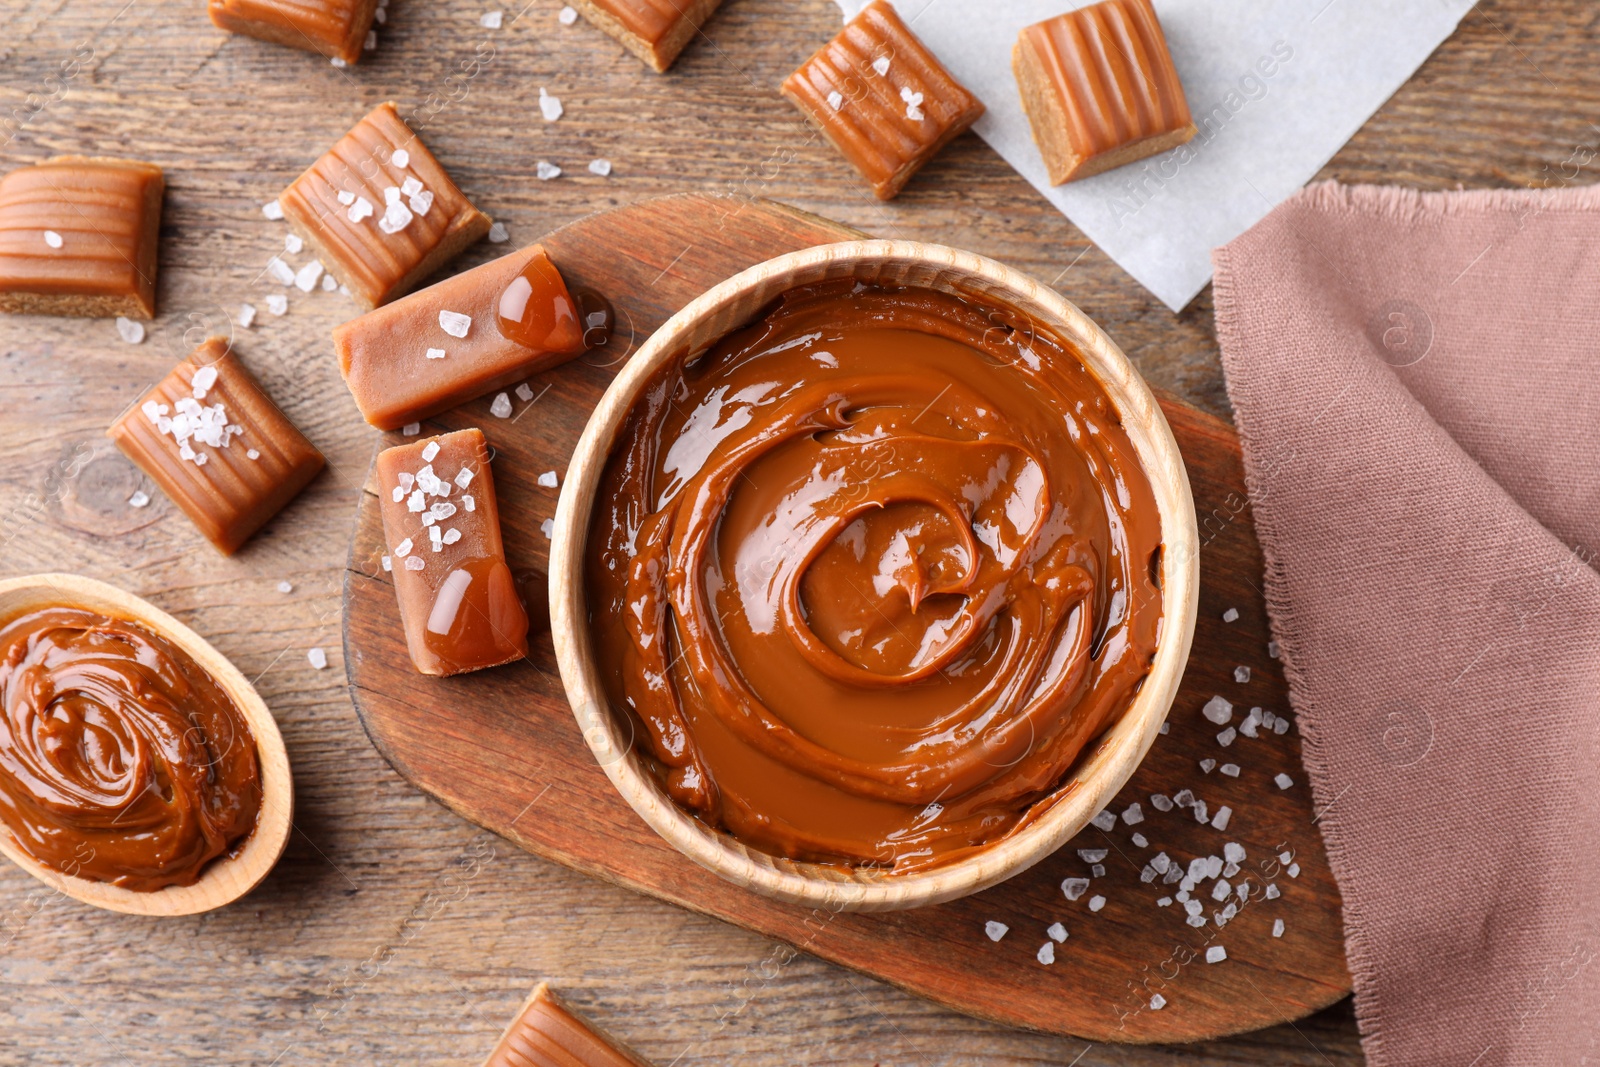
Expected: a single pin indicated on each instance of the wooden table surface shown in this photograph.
(392, 931)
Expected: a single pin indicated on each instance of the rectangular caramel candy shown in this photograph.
(379, 210)
(403, 366)
(547, 1033)
(653, 30)
(217, 445)
(882, 98)
(78, 237)
(334, 28)
(458, 600)
(1100, 89)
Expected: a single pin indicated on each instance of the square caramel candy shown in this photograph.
(217, 445)
(471, 334)
(334, 28)
(459, 603)
(882, 98)
(548, 1033)
(78, 236)
(653, 30)
(1100, 89)
(379, 210)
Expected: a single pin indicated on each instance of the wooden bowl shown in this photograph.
(226, 878)
(1101, 769)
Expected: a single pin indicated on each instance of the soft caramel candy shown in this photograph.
(653, 30)
(336, 28)
(217, 445)
(78, 237)
(379, 210)
(1100, 89)
(547, 1033)
(511, 317)
(882, 98)
(458, 599)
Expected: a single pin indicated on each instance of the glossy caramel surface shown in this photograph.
(546, 1033)
(121, 760)
(871, 573)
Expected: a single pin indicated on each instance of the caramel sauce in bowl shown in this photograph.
(125, 673)
(956, 534)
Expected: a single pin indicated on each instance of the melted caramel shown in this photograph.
(871, 573)
(538, 312)
(121, 760)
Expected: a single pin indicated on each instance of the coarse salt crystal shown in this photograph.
(285, 587)
(1140, 841)
(1160, 801)
(994, 930)
(464, 477)
(252, 454)
(467, 503)
(435, 538)
(1097, 871)
(881, 65)
(1218, 710)
(1280, 725)
(1161, 862)
(1216, 954)
(387, 563)
(1208, 765)
(434, 353)
(247, 315)
(318, 658)
(371, 41)
(415, 563)
(1196, 920)
(492, 20)
(600, 167)
(306, 277)
(1047, 953)
(346, 197)
(1241, 674)
(1164, 902)
(430, 450)
(1221, 891)
(1093, 855)
(292, 244)
(337, 62)
(1166, 727)
(1286, 857)
(913, 102)
(451, 536)
(1272, 649)
(1183, 798)
(454, 323)
(524, 391)
(203, 380)
(1200, 810)
(1242, 890)
(1220, 820)
(396, 217)
(130, 331)
(547, 527)
(1134, 815)
(1231, 615)
(500, 407)
(836, 100)
(401, 158)
(411, 429)
(1294, 870)
(545, 170)
(567, 16)
(1105, 820)
(329, 283)
(498, 234)
(1096, 903)
(1230, 870)
(417, 501)
(1193, 907)
(1230, 769)
(1277, 927)
(52, 238)
(1148, 874)
(280, 271)
(1283, 781)
(549, 106)
(361, 209)
(1158, 1002)
(1213, 866)
(422, 203)
(403, 548)
(411, 187)
(139, 499)
(1073, 888)
(1273, 892)
(1225, 738)
(1057, 932)
(1233, 852)
(1227, 914)
(398, 494)
(548, 479)
(272, 210)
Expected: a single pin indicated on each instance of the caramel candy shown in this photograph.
(1099, 88)
(882, 98)
(217, 445)
(380, 211)
(336, 28)
(458, 599)
(653, 30)
(78, 237)
(547, 1033)
(514, 317)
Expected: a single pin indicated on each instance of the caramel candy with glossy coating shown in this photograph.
(547, 1033)
(379, 210)
(334, 28)
(654, 30)
(78, 236)
(458, 599)
(402, 366)
(1100, 89)
(882, 98)
(217, 445)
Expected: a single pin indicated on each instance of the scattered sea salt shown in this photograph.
(1183, 798)
(387, 563)
(545, 171)
(251, 453)
(361, 209)
(1047, 953)
(396, 217)
(836, 100)
(403, 549)
(1105, 821)
(1200, 810)
(1093, 855)
(129, 330)
(1193, 907)
(422, 202)
(1286, 857)
(292, 244)
(1139, 841)
(548, 479)
(139, 499)
(1225, 738)
(492, 20)
(1097, 871)
(1241, 674)
(500, 408)
(1218, 710)
(498, 234)
(1277, 927)
(430, 450)
(1160, 801)
(1280, 725)
(434, 353)
(306, 277)
(411, 429)
(401, 158)
(454, 323)
(280, 271)
(600, 167)
(410, 187)
(467, 503)
(567, 16)
(1073, 888)
(1283, 781)
(548, 528)
(1230, 769)
(277, 304)
(1134, 815)
(1158, 1002)
(1096, 903)
(1272, 649)
(549, 106)
(1216, 954)
(339, 63)
(463, 477)
(1057, 932)
(1208, 765)
(1164, 902)
(415, 563)
(329, 283)
(995, 930)
(247, 315)
(913, 102)
(524, 391)
(1221, 891)
(1294, 870)
(1233, 852)
(318, 658)
(451, 536)
(1219, 821)
(1273, 892)
(285, 587)
(346, 197)
(881, 65)
(272, 210)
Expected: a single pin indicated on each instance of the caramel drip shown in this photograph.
(1110, 65)
(873, 125)
(99, 207)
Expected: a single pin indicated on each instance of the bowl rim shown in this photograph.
(227, 877)
(1104, 766)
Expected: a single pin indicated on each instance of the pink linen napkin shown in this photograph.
(1416, 380)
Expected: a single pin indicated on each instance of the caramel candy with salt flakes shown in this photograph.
(379, 211)
(547, 1033)
(882, 98)
(1100, 89)
(334, 28)
(458, 600)
(78, 236)
(217, 445)
(402, 366)
(653, 30)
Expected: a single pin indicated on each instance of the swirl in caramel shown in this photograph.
(121, 760)
(870, 573)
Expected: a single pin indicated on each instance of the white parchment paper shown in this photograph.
(1275, 86)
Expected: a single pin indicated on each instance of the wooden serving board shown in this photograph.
(501, 748)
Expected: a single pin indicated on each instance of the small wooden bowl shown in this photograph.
(226, 878)
(1101, 769)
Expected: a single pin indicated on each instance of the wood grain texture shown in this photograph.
(393, 930)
